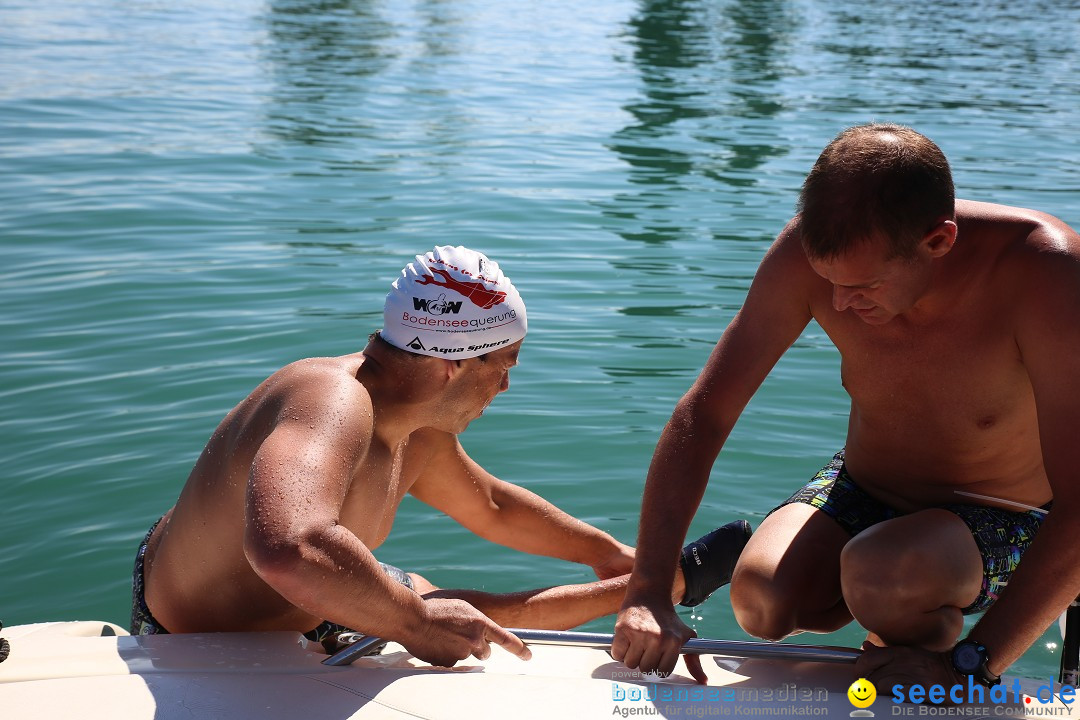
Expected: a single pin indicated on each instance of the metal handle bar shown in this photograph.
(602, 641)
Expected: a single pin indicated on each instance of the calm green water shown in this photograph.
(194, 194)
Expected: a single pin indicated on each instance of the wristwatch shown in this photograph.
(970, 658)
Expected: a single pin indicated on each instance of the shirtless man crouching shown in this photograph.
(958, 328)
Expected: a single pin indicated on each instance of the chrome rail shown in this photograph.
(363, 644)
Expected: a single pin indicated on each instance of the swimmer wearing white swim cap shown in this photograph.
(280, 523)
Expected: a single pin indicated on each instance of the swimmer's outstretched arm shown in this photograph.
(708, 564)
(513, 516)
(555, 608)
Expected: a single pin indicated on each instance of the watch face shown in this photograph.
(967, 658)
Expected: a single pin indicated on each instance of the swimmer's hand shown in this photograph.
(619, 561)
(650, 637)
(452, 630)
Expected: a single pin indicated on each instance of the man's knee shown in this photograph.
(901, 594)
(788, 576)
(871, 581)
(909, 564)
(760, 605)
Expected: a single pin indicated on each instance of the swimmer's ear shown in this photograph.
(939, 240)
(451, 367)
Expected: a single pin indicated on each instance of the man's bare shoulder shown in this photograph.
(1047, 268)
(785, 276)
(785, 260)
(788, 244)
(1037, 260)
(1030, 242)
(1026, 234)
(316, 370)
(320, 388)
(1053, 240)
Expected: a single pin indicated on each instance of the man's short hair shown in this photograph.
(879, 182)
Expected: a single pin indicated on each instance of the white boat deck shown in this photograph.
(71, 670)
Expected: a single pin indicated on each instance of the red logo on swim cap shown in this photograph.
(474, 291)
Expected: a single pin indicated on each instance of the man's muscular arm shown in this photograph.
(510, 515)
(1048, 336)
(293, 540)
(649, 634)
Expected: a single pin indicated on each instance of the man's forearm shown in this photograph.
(526, 522)
(555, 608)
(333, 576)
(678, 476)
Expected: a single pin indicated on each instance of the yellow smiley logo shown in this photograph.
(862, 693)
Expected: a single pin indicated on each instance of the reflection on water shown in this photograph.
(666, 36)
(706, 60)
(760, 43)
(322, 57)
(327, 48)
(706, 69)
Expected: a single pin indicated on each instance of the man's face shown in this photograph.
(874, 289)
(483, 379)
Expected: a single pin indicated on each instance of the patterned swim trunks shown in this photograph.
(1002, 536)
(143, 621)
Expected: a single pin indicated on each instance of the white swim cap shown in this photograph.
(453, 303)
